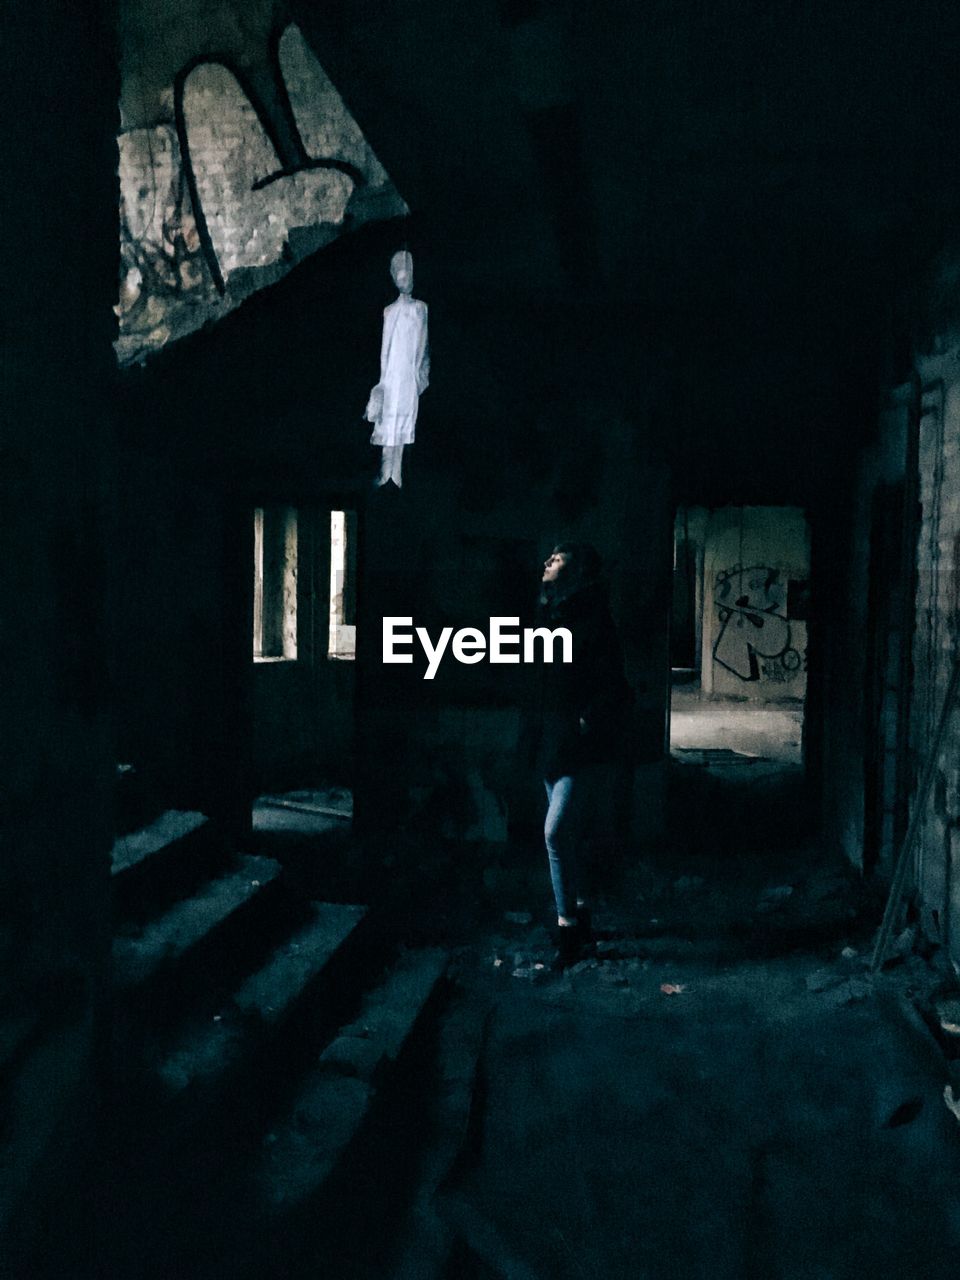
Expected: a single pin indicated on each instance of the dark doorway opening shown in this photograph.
(304, 648)
(739, 635)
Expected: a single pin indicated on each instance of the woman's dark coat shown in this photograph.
(592, 689)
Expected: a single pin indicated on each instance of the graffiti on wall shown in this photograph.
(226, 196)
(755, 640)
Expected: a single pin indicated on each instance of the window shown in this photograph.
(275, 584)
(342, 641)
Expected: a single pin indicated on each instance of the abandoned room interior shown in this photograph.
(280, 995)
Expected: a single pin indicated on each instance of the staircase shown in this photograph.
(260, 1044)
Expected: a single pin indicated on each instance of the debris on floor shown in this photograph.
(823, 980)
(774, 897)
(518, 917)
(851, 991)
(536, 972)
(948, 1012)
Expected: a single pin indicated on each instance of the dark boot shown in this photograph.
(569, 945)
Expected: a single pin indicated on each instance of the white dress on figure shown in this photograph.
(404, 373)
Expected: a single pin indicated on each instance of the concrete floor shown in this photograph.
(770, 731)
(718, 1096)
(718, 1092)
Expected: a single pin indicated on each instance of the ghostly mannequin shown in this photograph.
(404, 371)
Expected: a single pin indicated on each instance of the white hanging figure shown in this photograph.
(404, 371)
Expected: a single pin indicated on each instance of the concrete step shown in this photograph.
(163, 862)
(190, 924)
(321, 1048)
(453, 1127)
(303, 1149)
(210, 1052)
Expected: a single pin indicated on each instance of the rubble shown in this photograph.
(851, 991)
(536, 973)
(774, 896)
(823, 980)
(947, 1008)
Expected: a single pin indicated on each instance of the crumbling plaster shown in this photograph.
(237, 159)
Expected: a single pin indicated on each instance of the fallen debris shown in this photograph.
(532, 972)
(774, 897)
(850, 991)
(902, 948)
(518, 917)
(948, 1013)
(824, 979)
(847, 969)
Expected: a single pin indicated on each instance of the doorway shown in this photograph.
(304, 649)
(738, 647)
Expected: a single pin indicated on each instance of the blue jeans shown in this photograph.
(571, 801)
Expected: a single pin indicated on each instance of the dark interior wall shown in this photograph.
(58, 210)
(863, 592)
(169, 588)
(836, 711)
(264, 407)
(517, 445)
